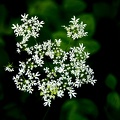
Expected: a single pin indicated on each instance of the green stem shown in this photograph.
(46, 113)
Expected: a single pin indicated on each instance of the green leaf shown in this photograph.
(48, 11)
(113, 100)
(91, 46)
(2, 43)
(3, 15)
(111, 81)
(13, 111)
(76, 116)
(90, 21)
(74, 6)
(78, 109)
(45, 9)
(88, 107)
(68, 108)
(70, 104)
(4, 28)
(59, 35)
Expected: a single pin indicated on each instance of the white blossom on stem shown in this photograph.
(53, 70)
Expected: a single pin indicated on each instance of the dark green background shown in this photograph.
(98, 102)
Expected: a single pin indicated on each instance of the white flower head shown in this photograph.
(75, 29)
(9, 68)
(30, 27)
(47, 66)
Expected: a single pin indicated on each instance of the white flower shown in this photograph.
(58, 42)
(30, 27)
(36, 75)
(75, 30)
(53, 70)
(60, 93)
(71, 92)
(28, 50)
(74, 21)
(18, 50)
(24, 17)
(47, 102)
(9, 68)
(60, 69)
(50, 53)
(46, 70)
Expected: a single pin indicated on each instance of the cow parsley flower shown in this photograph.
(30, 27)
(9, 68)
(75, 29)
(48, 67)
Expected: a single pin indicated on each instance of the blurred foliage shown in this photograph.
(92, 46)
(66, 42)
(90, 21)
(78, 109)
(3, 15)
(112, 108)
(113, 100)
(14, 112)
(2, 43)
(23, 106)
(72, 7)
(47, 10)
(111, 81)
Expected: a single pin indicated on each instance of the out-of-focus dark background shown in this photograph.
(98, 102)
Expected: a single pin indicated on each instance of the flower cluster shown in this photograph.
(51, 69)
(30, 27)
(75, 30)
